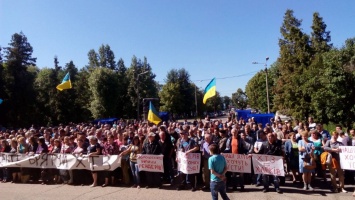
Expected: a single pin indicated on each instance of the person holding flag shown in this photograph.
(66, 83)
(210, 90)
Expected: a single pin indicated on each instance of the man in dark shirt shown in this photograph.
(271, 147)
(152, 147)
(167, 150)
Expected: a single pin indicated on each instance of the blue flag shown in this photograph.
(1, 101)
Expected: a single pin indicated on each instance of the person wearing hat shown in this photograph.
(152, 147)
(187, 145)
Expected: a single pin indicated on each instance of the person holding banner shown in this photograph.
(187, 145)
(94, 149)
(110, 148)
(218, 166)
(332, 146)
(271, 147)
(134, 149)
(152, 147)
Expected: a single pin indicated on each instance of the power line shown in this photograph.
(228, 77)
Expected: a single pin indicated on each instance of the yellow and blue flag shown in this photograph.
(210, 90)
(153, 115)
(66, 83)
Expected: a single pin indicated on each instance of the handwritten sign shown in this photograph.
(150, 163)
(267, 164)
(60, 161)
(347, 157)
(237, 162)
(189, 163)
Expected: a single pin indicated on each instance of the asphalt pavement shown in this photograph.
(64, 192)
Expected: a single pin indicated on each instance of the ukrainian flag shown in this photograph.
(153, 114)
(66, 83)
(210, 90)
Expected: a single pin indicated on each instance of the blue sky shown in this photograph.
(208, 38)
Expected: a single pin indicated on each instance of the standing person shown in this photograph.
(5, 148)
(291, 155)
(110, 148)
(257, 145)
(94, 149)
(205, 156)
(332, 146)
(167, 149)
(218, 166)
(22, 148)
(43, 148)
(65, 149)
(271, 147)
(306, 150)
(187, 145)
(152, 147)
(318, 150)
(134, 149)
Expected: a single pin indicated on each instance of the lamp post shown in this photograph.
(267, 85)
(196, 100)
(137, 81)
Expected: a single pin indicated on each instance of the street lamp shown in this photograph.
(137, 80)
(267, 85)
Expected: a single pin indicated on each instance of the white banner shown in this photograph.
(189, 163)
(347, 157)
(237, 162)
(61, 161)
(267, 164)
(150, 163)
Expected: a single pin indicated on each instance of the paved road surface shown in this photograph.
(64, 192)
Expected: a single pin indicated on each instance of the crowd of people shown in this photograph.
(307, 149)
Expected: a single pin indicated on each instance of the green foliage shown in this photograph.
(240, 99)
(104, 84)
(140, 81)
(178, 94)
(215, 103)
(227, 101)
(256, 88)
(320, 38)
(18, 81)
(295, 54)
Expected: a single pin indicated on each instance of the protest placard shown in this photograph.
(237, 162)
(189, 163)
(150, 163)
(60, 161)
(347, 157)
(268, 164)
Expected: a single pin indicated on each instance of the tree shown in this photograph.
(227, 101)
(104, 85)
(255, 89)
(178, 93)
(295, 55)
(123, 99)
(107, 57)
(334, 94)
(83, 95)
(93, 59)
(19, 79)
(141, 81)
(215, 103)
(46, 96)
(240, 99)
(320, 38)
